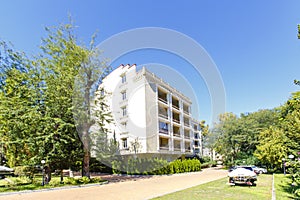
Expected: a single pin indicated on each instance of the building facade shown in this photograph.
(150, 116)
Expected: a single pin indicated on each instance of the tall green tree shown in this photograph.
(237, 137)
(20, 114)
(60, 63)
(290, 122)
(90, 109)
(272, 148)
(72, 74)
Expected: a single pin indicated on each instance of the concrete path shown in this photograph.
(139, 189)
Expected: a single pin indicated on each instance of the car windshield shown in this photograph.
(245, 167)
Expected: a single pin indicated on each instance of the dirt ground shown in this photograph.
(124, 187)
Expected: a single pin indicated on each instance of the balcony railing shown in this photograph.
(176, 120)
(175, 106)
(176, 134)
(164, 131)
(163, 115)
(163, 100)
(187, 123)
(164, 147)
(187, 136)
(186, 112)
(177, 148)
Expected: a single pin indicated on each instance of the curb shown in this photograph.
(273, 188)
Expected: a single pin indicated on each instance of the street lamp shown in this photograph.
(283, 162)
(43, 172)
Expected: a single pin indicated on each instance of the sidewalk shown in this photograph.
(136, 189)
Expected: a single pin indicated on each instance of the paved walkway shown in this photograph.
(135, 189)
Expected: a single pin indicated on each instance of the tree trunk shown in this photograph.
(87, 155)
(61, 176)
(86, 163)
(47, 174)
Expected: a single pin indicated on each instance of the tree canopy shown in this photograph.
(37, 110)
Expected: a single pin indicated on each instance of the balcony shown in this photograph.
(163, 112)
(175, 107)
(195, 127)
(186, 122)
(186, 109)
(164, 131)
(177, 145)
(177, 134)
(187, 134)
(176, 121)
(176, 131)
(163, 100)
(162, 96)
(187, 146)
(163, 143)
(177, 148)
(175, 103)
(165, 148)
(165, 116)
(176, 118)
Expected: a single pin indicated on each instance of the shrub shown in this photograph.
(70, 181)
(95, 180)
(55, 182)
(116, 167)
(157, 166)
(25, 171)
(84, 180)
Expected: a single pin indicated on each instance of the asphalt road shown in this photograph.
(144, 188)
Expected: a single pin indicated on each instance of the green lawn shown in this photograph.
(23, 183)
(283, 188)
(221, 190)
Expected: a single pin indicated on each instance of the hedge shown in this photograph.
(137, 166)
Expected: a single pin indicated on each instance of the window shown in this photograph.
(124, 96)
(123, 76)
(195, 128)
(163, 126)
(124, 111)
(124, 125)
(124, 143)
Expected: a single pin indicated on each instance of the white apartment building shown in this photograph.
(150, 116)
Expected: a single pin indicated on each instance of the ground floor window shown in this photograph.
(124, 143)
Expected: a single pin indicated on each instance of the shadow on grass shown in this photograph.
(290, 189)
(285, 185)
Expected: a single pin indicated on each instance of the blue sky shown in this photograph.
(253, 43)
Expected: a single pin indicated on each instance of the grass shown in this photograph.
(219, 189)
(23, 183)
(283, 188)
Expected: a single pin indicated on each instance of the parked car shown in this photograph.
(231, 168)
(5, 171)
(242, 175)
(259, 170)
